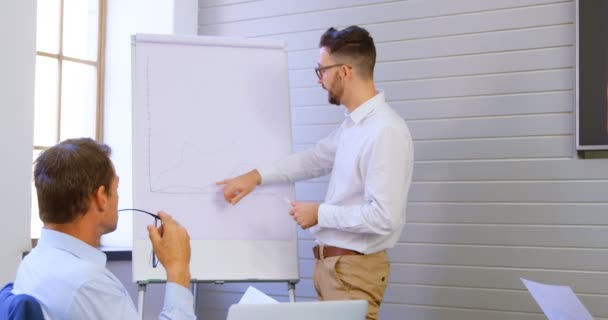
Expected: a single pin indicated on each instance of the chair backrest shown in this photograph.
(20, 306)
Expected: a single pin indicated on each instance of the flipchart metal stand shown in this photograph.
(142, 285)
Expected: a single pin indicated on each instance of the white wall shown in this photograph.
(487, 89)
(17, 61)
(185, 16)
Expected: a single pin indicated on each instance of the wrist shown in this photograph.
(257, 178)
(180, 276)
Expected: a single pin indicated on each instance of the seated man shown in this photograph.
(77, 197)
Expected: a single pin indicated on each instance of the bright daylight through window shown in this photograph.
(69, 76)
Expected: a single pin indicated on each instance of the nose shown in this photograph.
(320, 81)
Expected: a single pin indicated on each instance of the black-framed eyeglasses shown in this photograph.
(153, 259)
(319, 70)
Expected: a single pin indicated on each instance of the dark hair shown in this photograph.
(68, 174)
(353, 43)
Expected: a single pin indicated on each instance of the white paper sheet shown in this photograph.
(255, 296)
(557, 302)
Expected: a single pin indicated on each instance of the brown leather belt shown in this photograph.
(322, 252)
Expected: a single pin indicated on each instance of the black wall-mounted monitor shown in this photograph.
(592, 74)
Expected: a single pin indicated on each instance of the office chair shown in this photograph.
(20, 306)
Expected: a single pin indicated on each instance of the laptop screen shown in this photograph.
(317, 310)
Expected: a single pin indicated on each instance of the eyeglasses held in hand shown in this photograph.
(156, 219)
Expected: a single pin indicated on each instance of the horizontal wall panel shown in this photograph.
(475, 106)
(327, 114)
(395, 30)
(509, 213)
(222, 296)
(484, 277)
(502, 300)
(457, 45)
(520, 148)
(465, 16)
(512, 104)
(512, 126)
(499, 84)
(508, 235)
(567, 259)
(477, 43)
(222, 300)
(495, 278)
(497, 256)
(311, 134)
(479, 64)
(306, 266)
(223, 4)
(520, 126)
(307, 191)
(304, 234)
(478, 22)
(551, 80)
(251, 10)
(507, 170)
(403, 311)
(278, 290)
(536, 191)
(212, 314)
(560, 169)
(476, 191)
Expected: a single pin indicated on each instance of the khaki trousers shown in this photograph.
(353, 277)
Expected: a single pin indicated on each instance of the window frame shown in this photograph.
(98, 64)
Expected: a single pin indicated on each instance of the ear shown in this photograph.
(348, 72)
(101, 198)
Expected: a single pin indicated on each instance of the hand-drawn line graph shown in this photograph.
(186, 159)
(184, 173)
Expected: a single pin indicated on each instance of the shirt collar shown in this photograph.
(366, 108)
(62, 241)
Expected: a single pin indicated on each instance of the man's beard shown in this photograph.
(334, 94)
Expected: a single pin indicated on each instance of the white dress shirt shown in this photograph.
(70, 280)
(370, 157)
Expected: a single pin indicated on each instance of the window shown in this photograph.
(69, 76)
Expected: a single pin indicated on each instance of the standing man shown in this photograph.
(77, 191)
(370, 157)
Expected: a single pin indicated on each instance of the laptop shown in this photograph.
(317, 310)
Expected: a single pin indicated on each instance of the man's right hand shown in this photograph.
(171, 244)
(237, 188)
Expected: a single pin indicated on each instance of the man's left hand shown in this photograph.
(305, 213)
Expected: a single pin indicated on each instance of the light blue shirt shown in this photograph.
(71, 281)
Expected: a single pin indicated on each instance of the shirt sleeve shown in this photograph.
(108, 300)
(314, 162)
(179, 303)
(386, 166)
